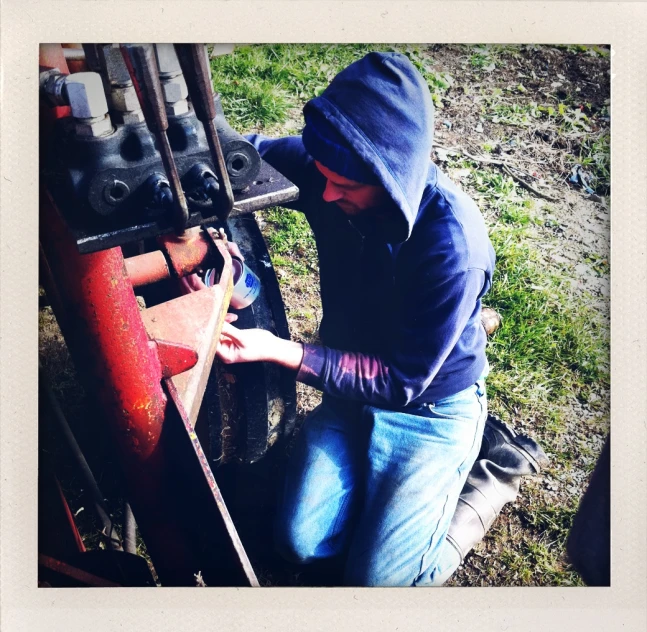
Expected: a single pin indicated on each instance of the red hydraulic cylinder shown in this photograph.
(102, 297)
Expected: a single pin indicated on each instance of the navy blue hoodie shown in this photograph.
(401, 301)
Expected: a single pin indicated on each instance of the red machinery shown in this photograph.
(136, 156)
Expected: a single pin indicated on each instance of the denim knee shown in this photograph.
(293, 545)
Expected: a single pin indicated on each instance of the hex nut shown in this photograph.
(98, 126)
(116, 68)
(167, 60)
(177, 108)
(128, 118)
(86, 95)
(125, 99)
(175, 89)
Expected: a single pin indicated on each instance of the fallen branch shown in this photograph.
(528, 186)
(505, 165)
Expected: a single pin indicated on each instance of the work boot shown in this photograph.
(493, 481)
(490, 319)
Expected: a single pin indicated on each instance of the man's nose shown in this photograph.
(331, 192)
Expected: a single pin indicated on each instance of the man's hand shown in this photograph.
(257, 345)
(193, 283)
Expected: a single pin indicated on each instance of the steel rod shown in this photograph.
(140, 60)
(197, 75)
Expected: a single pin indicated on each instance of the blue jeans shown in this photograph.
(381, 487)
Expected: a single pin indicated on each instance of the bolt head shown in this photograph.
(167, 60)
(86, 95)
(116, 68)
(125, 99)
(136, 116)
(175, 89)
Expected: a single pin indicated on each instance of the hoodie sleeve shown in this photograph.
(424, 338)
(289, 157)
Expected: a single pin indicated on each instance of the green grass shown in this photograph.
(551, 343)
(259, 85)
(291, 243)
(595, 156)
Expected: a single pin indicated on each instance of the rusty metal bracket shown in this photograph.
(194, 320)
(185, 253)
(174, 357)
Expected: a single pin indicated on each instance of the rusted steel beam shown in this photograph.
(147, 268)
(74, 573)
(205, 508)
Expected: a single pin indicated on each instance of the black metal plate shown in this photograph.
(270, 189)
(252, 405)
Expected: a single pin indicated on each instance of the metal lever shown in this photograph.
(142, 66)
(197, 75)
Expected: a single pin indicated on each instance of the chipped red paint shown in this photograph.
(174, 357)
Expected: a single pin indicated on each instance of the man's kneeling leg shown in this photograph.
(320, 488)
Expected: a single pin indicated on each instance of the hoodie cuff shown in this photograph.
(312, 366)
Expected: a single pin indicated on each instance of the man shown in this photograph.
(405, 259)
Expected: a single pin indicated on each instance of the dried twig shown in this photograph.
(505, 166)
(527, 186)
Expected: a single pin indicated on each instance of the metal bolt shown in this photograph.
(167, 60)
(136, 116)
(52, 83)
(115, 65)
(237, 162)
(175, 89)
(125, 99)
(177, 108)
(86, 96)
(116, 191)
(97, 126)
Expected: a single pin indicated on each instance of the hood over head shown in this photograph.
(376, 120)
